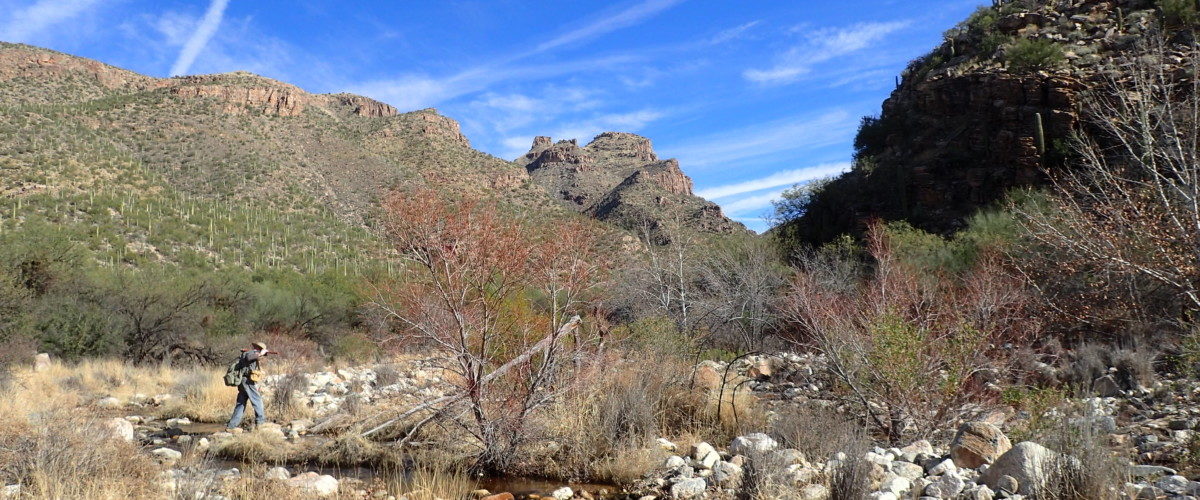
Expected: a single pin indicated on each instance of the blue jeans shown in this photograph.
(247, 391)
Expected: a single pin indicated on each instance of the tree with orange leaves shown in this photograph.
(498, 298)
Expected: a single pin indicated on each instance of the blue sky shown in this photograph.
(752, 96)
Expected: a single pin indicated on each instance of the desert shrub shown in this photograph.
(1130, 368)
(282, 405)
(850, 478)
(906, 343)
(72, 328)
(816, 431)
(1084, 468)
(765, 477)
(620, 404)
(1029, 55)
(1178, 13)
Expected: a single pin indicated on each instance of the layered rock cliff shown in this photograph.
(620, 179)
(989, 110)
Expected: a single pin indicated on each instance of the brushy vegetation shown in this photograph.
(1028, 55)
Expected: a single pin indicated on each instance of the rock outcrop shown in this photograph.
(620, 179)
(962, 127)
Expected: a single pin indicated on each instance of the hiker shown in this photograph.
(248, 387)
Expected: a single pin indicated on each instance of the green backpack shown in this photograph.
(236, 374)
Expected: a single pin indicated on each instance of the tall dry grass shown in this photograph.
(605, 427)
(59, 454)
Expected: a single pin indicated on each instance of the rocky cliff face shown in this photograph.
(962, 127)
(618, 178)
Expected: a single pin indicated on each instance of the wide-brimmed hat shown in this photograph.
(259, 345)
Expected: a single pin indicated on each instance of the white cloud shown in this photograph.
(752, 204)
(733, 33)
(25, 24)
(625, 18)
(784, 178)
(822, 45)
(204, 31)
(769, 139)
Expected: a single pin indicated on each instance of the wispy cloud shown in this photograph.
(733, 33)
(625, 18)
(752, 205)
(822, 45)
(777, 179)
(25, 24)
(204, 31)
(422, 90)
(770, 139)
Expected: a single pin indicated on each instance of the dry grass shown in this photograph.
(606, 425)
(432, 482)
(60, 455)
(256, 446)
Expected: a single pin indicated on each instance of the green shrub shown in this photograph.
(1030, 55)
(1178, 12)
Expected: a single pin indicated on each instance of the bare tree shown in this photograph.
(496, 297)
(1129, 209)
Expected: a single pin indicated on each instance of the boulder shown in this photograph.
(166, 455)
(278, 473)
(727, 474)
(1023, 464)
(315, 484)
(120, 429)
(701, 449)
(109, 403)
(978, 443)
(752, 443)
(563, 493)
(689, 488)
(41, 362)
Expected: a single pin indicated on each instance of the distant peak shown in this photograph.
(624, 144)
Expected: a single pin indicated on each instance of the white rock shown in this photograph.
(688, 488)
(815, 491)
(315, 484)
(674, 462)
(167, 455)
(563, 493)
(10, 491)
(701, 449)
(280, 473)
(41, 362)
(908, 470)
(895, 484)
(120, 429)
(709, 460)
(109, 402)
(667, 445)
(1025, 463)
(727, 474)
(752, 443)
(884, 495)
(943, 467)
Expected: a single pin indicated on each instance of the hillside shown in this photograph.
(618, 178)
(962, 127)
